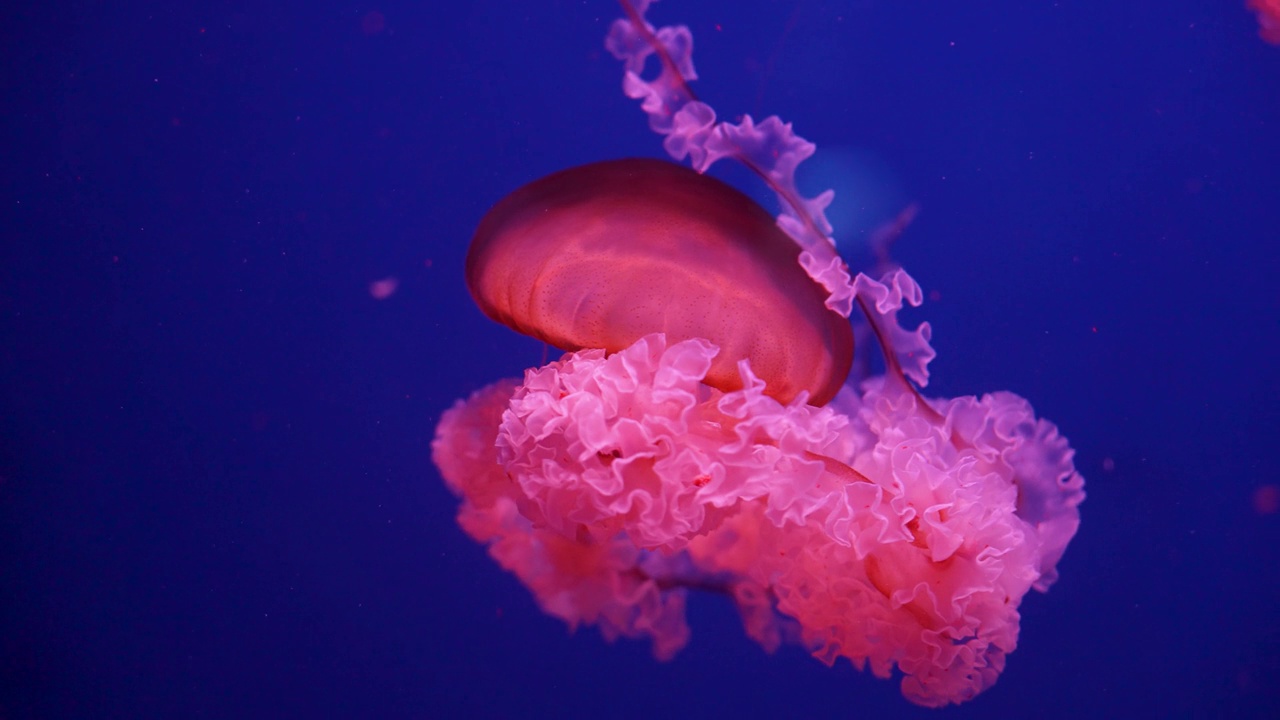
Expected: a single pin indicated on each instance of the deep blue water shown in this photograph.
(216, 496)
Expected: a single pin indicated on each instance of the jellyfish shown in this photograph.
(601, 255)
(704, 431)
(1268, 19)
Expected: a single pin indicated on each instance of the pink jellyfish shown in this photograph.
(701, 435)
(601, 255)
(1268, 18)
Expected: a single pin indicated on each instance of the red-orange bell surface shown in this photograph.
(601, 255)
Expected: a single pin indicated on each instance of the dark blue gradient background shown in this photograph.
(216, 497)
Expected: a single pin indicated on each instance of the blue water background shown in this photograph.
(216, 496)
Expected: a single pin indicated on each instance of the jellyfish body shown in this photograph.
(601, 255)
(897, 531)
(1268, 19)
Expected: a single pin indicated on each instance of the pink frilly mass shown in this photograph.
(893, 529)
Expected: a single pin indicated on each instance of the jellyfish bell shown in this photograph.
(600, 255)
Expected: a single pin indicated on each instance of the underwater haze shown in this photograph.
(233, 311)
